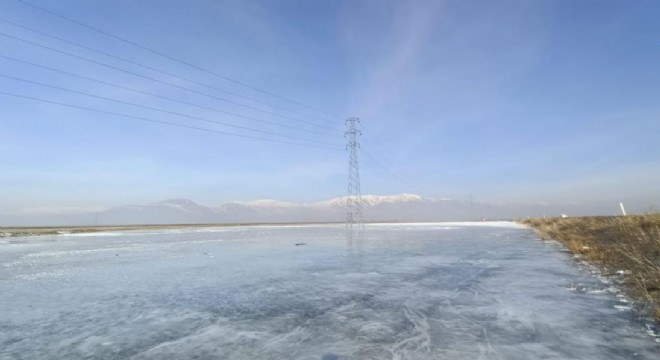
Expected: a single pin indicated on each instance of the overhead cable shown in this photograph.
(162, 110)
(167, 123)
(105, 53)
(385, 169)
(172, 58)
(68, 73)
(159, 81)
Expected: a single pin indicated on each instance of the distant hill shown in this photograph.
(402, 207)
(265, 211)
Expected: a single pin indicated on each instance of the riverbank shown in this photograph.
(626, 246)
(54, 230)
(6, 232)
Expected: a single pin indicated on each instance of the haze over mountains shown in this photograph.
(402, 207)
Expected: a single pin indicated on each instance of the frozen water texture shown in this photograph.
(393, 291)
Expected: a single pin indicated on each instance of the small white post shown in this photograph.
(623, 210)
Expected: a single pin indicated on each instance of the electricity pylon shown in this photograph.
(354, 198)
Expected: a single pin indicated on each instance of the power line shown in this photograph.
(386, 169)
(379, 145)
(139, 118)
(371, 164)
(227, 78)
(150, 67)
(380, 148)
(163, 110)
(160, 96)
(159, 81)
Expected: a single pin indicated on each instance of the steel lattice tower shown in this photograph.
(354, 198)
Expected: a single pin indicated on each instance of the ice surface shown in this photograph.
(393, 291)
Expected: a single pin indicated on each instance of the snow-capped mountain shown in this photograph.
(371, 200)
(401, 207)
(377, 207)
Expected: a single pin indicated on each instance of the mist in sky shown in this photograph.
(535, 102)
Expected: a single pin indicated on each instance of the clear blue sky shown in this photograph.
(526, 101)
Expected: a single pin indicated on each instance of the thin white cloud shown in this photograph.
(393, 69)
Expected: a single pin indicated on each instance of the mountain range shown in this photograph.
(388, 208)
(402, 207)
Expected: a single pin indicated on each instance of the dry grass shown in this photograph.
(629, 243)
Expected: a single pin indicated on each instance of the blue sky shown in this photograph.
(507, 101)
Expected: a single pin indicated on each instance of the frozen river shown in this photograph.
(398, 291)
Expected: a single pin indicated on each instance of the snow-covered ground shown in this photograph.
(394, 291)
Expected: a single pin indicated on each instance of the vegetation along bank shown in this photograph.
(628, 246)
